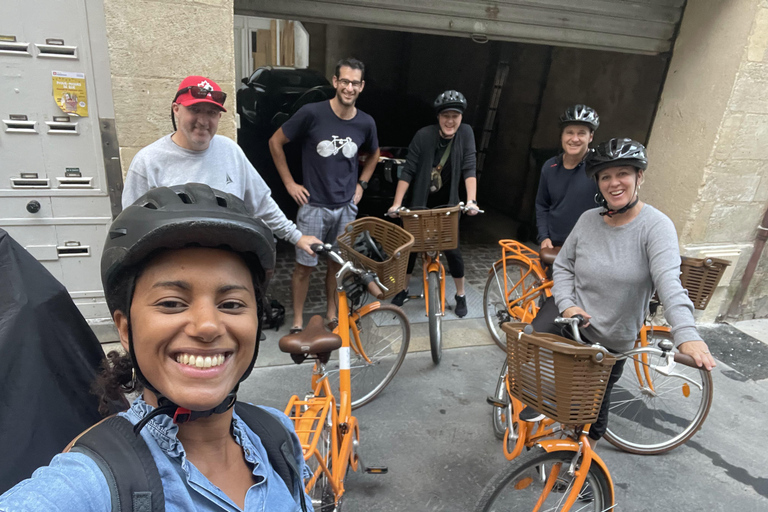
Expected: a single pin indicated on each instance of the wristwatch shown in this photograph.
(363, 184)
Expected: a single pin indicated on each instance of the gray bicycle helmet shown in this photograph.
(615, 153)
(450, 100)
(580, 114)
(190, 215)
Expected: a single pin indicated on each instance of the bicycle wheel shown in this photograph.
(384, 335)
(650, 417)
(520, 278)
(435, 318)
(500, 415)
(321, 493)
(524, 482)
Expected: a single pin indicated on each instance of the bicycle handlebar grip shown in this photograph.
(317, 248)
(581, 319)
(369, 280)
(374, 290)
(686, 360)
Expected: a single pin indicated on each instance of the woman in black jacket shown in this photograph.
(438, 157)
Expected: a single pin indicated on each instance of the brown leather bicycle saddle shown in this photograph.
(548, 255)
(314, 339)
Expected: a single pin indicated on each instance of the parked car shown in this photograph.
(272, 94)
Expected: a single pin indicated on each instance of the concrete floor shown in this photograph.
(431, 427)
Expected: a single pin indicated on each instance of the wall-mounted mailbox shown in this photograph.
(62, 128)
(73, 178)
(14, 48)
(72, 248)
(30, 180)
(56, 51)
(19, 124)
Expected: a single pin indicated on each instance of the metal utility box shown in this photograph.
(60, 178)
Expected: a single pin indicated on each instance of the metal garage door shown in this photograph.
(639, 26)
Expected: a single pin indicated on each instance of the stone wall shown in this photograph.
(711, 135)
(153, 45)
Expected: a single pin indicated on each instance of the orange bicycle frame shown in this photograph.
(310, 415)
(523, 308)
(432, 264)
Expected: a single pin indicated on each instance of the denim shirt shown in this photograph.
(73, 482)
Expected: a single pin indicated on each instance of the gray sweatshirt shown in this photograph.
(611, 272)
(222, 166)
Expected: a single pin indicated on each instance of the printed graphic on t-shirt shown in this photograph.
(326, 148)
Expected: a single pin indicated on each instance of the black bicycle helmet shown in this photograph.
(580, 114)
(450, 100)
(615, 153)
(190, 215)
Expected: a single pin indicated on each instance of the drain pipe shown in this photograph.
(762, 235)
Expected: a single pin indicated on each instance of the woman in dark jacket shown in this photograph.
(439, 156)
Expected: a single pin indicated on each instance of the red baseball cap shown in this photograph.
(185, 97)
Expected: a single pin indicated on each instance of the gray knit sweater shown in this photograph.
(222, 166)
(611, 272)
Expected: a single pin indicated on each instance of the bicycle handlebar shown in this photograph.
(576, 320)
(370, 279)
(462, 208)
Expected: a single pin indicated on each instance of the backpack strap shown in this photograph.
(124, 458)
(278, 442)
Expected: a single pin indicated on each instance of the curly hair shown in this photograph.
(115, 381)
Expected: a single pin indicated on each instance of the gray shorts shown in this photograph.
(324, 223)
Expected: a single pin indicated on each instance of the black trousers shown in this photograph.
(545, 322)
(452, 257)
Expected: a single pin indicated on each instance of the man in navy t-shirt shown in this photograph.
(333, 134)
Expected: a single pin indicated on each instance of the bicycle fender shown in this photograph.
(554, 445)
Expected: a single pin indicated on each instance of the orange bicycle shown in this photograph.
(328, 432)
(565, 380)
(515, 284)
(651, 412)
(433, 230)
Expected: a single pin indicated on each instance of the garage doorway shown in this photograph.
(518, 117)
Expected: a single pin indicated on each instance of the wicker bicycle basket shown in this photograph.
(700, 276)
(433, 230)
(395, 241)
(558, 377)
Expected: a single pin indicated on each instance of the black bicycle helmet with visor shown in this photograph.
(616, 152)
(190, 215)
(450, 100)
(580, 114)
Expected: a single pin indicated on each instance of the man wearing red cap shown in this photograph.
(193, 153)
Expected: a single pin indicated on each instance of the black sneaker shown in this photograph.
(461, 306)
(401, 298)
(531, 414)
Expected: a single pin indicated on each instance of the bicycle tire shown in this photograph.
(494, 302)
(385, 334)
(649, 421)
(321, 494)
(435, 318)
(519, 485)
(500, 415)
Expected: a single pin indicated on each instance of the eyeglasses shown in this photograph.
(346, 83)
(202, 93)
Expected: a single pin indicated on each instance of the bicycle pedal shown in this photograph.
(377, 470)
(497, 402)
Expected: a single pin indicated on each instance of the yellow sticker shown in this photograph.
(69, 93)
